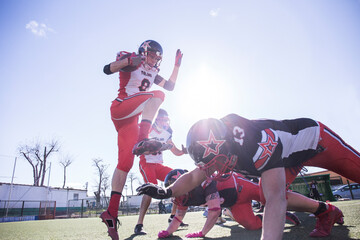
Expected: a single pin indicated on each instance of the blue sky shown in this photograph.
(259, 59)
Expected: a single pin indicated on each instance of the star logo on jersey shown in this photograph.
(268, 148)
(211, 145)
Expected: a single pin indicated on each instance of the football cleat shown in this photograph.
(147, 146)
(326, 220)
(182, 224)
(112, 224)
(228, 213)
(340, 221)
(220, 220)
(292, 218)
(139, 229)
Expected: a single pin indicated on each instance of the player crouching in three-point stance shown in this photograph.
(274, 150)
(137, 73)
(235, 193)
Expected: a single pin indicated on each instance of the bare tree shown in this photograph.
(104, 187)
(37, 155)
(65, 162)
(103, 178)
(131, 178)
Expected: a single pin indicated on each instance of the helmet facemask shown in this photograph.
(162, 120)
(153, 58)
(219, 168)
(162, 123)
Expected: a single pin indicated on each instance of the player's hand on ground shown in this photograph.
(163, 234)
(195, 235)
(154, 191)
(178, 58)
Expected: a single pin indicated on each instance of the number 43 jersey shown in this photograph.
(136, 81)
(265, 144)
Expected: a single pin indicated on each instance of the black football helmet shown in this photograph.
(209, 145)
(173, 175)
(151, 47)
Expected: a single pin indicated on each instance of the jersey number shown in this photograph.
(145, 84)
(239, 135)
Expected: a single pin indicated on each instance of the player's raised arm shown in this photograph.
(170, 84)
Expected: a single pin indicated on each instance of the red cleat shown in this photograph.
(111, 223)
(340, 221)
(326, 220)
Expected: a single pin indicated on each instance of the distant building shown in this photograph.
(22, 192)
(335, 179)
(23, 200)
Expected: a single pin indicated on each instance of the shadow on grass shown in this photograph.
(133, 236)
(308, 224)
(291, 232)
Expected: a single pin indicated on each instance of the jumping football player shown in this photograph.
(137, 73)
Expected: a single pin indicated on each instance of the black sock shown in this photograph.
(322, 208)
(113, 192)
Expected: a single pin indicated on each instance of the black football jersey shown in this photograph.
(265, 144)
(198, 195)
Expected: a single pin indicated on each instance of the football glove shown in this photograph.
(154, 191)
(135, 60)
(178, 58)
(184, 149)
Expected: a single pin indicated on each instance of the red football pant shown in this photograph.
(338, 157)
(152, 172)
(125, 116)
(242, 210)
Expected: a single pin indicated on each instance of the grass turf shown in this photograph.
(93, 228)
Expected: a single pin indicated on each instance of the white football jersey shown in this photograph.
(162, 136)
(136, 81)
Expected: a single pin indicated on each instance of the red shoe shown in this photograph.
(147, 146)
(112, 223)
(326, 220)
(292, 218)
(340, 221)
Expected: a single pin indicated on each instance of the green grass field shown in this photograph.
(93, 228)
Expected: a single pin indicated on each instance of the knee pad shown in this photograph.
(125, 165)
(159, 94)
